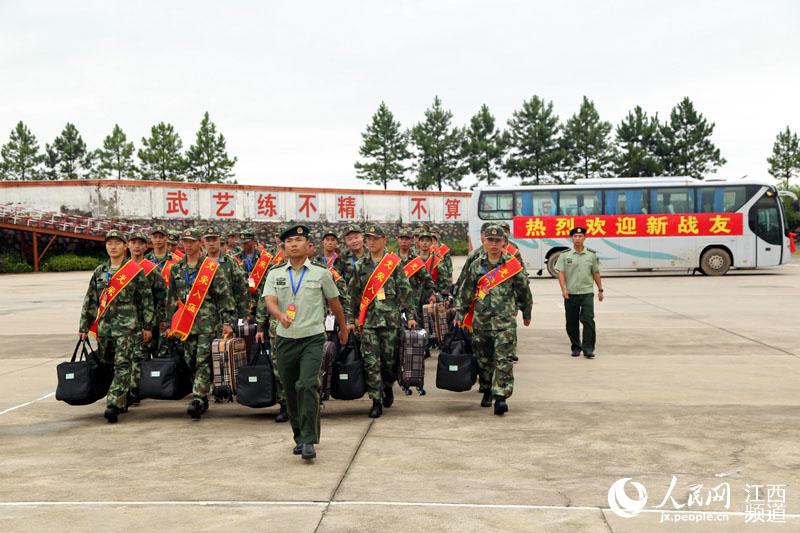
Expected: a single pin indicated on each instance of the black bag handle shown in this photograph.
(82, 343)
(261, 350)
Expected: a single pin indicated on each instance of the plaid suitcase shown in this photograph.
(329, 352)
(413, 347)
(227, 356)
(247, 331)
(437, 320)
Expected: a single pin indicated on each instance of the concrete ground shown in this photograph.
(696, 378)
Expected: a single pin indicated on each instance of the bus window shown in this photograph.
(626, 202)
(544, 203)
(672, 200)
(721, 199)
(578, 203)
(496, 205)
(765, 220)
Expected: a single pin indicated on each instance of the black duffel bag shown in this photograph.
(349, 381)
(167, 376)
(255, 383)
(457, 369)
(86, 380)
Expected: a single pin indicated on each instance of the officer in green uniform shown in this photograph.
(578, 269)
(494, 322)
(237, 282)
(217, 310)
(128, 319)
(296, 295)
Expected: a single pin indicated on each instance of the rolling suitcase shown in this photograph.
(329, 352)
(255, 383)
(457, 368)
(413, 346)
(167, 376)
(86, 380)
(227, 356)
(348, 381)
(247, 331)
(437, 321)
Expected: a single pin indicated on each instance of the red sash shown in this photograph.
(336, 275)
(184, 317)
(510, 269)
(177, 255)
(329, 263)
(148, 266)
(258, 271)
(375, 283)
(413, 266)
(278, 259)
(510, 249)
(261, 248)
(166, 270)
(116, 284)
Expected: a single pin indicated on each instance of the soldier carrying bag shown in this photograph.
(86, 380)
(167, 376)
(255, 383)
(348, 381)
(457, 369)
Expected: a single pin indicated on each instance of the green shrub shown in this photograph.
(12, 262)
(69, 262)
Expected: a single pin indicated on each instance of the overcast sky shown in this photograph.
(292, 85)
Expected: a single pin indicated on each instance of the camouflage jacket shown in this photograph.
(445, 269)
(159, 290)
(129, 313)
(476, 253)
(348, 264)
(344, 294)
(218, 307)
(159, 261)
(421, 283)
(237, 283)
(498, 309)
(338, 263)
(386, 312)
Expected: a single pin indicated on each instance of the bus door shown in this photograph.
(765, 221)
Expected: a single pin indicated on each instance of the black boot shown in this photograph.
(133, 397)
(297, 450)
(111, 414)
(282, 415)
(205, 403)
(500, 406)
(486, 401)
(195, 409)
(308, 452)
(388, 395)
(377, 409)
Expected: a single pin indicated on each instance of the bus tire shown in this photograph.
(551, 264)
(715, 262)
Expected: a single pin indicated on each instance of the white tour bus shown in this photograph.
(644, 223)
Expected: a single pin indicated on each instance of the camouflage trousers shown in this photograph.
(379, 348)
(273, 351)
(197, 354)
(120, 352)
(493, 349)
(143, 351)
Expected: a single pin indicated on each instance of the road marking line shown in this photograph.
(26, 403)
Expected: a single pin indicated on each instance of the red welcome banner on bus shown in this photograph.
(693, 225)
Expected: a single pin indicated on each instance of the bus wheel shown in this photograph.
(715, 262)
(551, 264)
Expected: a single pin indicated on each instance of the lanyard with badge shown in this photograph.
(189, 280)
(291, 309)
(490, 279)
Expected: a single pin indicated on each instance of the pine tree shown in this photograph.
(438, 150)
(67, 158)
(784, 163)
(21, 158)
(384, 147)
(116, 156)
(685, 146)
(207, 159)
(587, 151)
(638, 138)
(160, 156)
(483, 146)
(534, 149)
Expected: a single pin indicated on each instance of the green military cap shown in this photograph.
(295, 230)
(506, 227)
(374, 230)
(191, 234)
(172, 236)
(405, 231)
(211, 231)
(494, 231)
(485, 225)
(248, 235)
(424, 231)
(116, 234)
(139, 234)
(351, 228)
(579, 230)
(329, 231)
(159, 228)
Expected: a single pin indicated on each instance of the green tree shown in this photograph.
(534, 150)
(67, 158)
(21, 158)
(438, 150)
(483, 146)
(160, 155)
(207, 159)
(385, 148)
(784, 163)
(116, 155)
(587, 150)
(685, 147)
(638, 139)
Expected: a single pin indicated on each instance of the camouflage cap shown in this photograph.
(579, 230)
(248, 235)
(139, 234)
(485, 225)
(211, 231)
(416, 232)
(116, 234)
(295, 230)
(191, 234)
(374, 230)
(159, 228)
(405, 231)
(351, 228)
(494, 231)
(506, 227)
(424, 231)
(329, 232)
(173, 236)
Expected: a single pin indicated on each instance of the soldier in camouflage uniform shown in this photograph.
(234, 275)
(160, 253)
(422, 287)
(127, 320)
(137, 244)
(354, 241)
(232, 247)
(494, 337)
(442, 274)
(380, 328)
(218, 309)
(330, 256)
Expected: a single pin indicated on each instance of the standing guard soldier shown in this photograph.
(495, 289)
(380, 293)
(330, 250)
(234, 249)
(118, 309)
(199, 302)
(296, 296)
(137, 244)
(159, 254)
(234, 275)
(578, 269)
(420, 280)
(354, 241)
